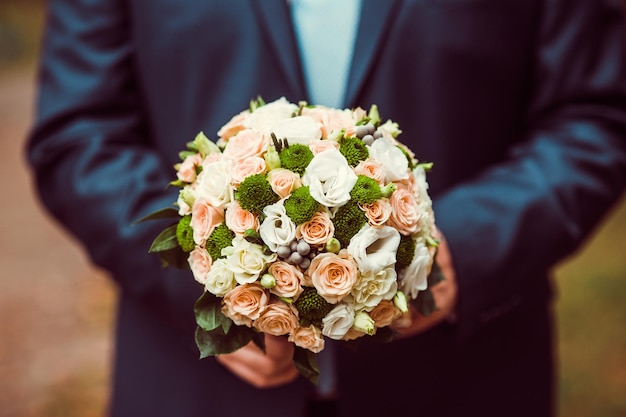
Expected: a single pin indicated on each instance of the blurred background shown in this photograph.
(57, 311)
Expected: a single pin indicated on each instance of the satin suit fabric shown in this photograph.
(520, 104)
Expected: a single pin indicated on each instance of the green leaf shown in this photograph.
(435, 275)
(425, 303)
(259, 340)
(164, 213)
(216, 342)
(175, 257)
(166, 240)
(306, 363)
(209, 314)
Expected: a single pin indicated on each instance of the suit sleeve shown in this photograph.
(510, 225)
(95, 167)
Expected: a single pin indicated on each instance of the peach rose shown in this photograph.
(200, 263)
(187, 169)
(239, 220)
(308, 338)
(385, 313)
(322, 145)
(405, 215)
(371, 169)
(246, 144)
(332, 120)
(246, 167)
(277, 319)
(287, 278)
(245, 303)
(283, 181)
(204, 218)
(317, 231)
(378, 212)
(234, 126)
(332, 276)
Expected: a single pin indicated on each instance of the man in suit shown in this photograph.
(520, 104)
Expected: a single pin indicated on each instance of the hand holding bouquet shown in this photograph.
(302, 221)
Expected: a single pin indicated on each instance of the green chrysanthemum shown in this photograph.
(255, 193)
(354, 150)
(184, 234)
(221, 238)
(406, 252)
(366, 190)
(300, 206)
(296, 157)
(348, 221)
(312, 307)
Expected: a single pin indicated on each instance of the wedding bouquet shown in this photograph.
(303, 221)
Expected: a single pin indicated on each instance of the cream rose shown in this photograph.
(371, 288)
(332, 276)
(200, 263)
(245, 303)
(277, 229)
(277, 319)
(299, 129)
(308, 338)
(283, 181)
(213, 183)
(246, 144)
(247, 260)
(204, 219)
(266, 117)
(245, 168)
(385, 313)
(220, 279)
(378, 212)
(287, 278)
(374, 249)
(414, 278)
(330, 178)
(338, 321)
(391, 158)
(239, 220)
(406, 214)
(317, 231)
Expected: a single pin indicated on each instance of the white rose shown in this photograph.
(265, 118)
(414, 278)
(277, 229)
(330, 178)
(391, 158)
(299, 129)
(338, 322)
(247, 260)
(374, 249)
(370, 289)
(426, 205)
(213, 183)
(220, 278)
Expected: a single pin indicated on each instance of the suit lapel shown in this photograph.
(276, 20)
(376, 16)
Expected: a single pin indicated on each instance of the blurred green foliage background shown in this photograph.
(70, 328)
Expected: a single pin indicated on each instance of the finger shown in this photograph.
(254, 376)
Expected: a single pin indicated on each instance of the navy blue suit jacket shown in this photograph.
(521, 104)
